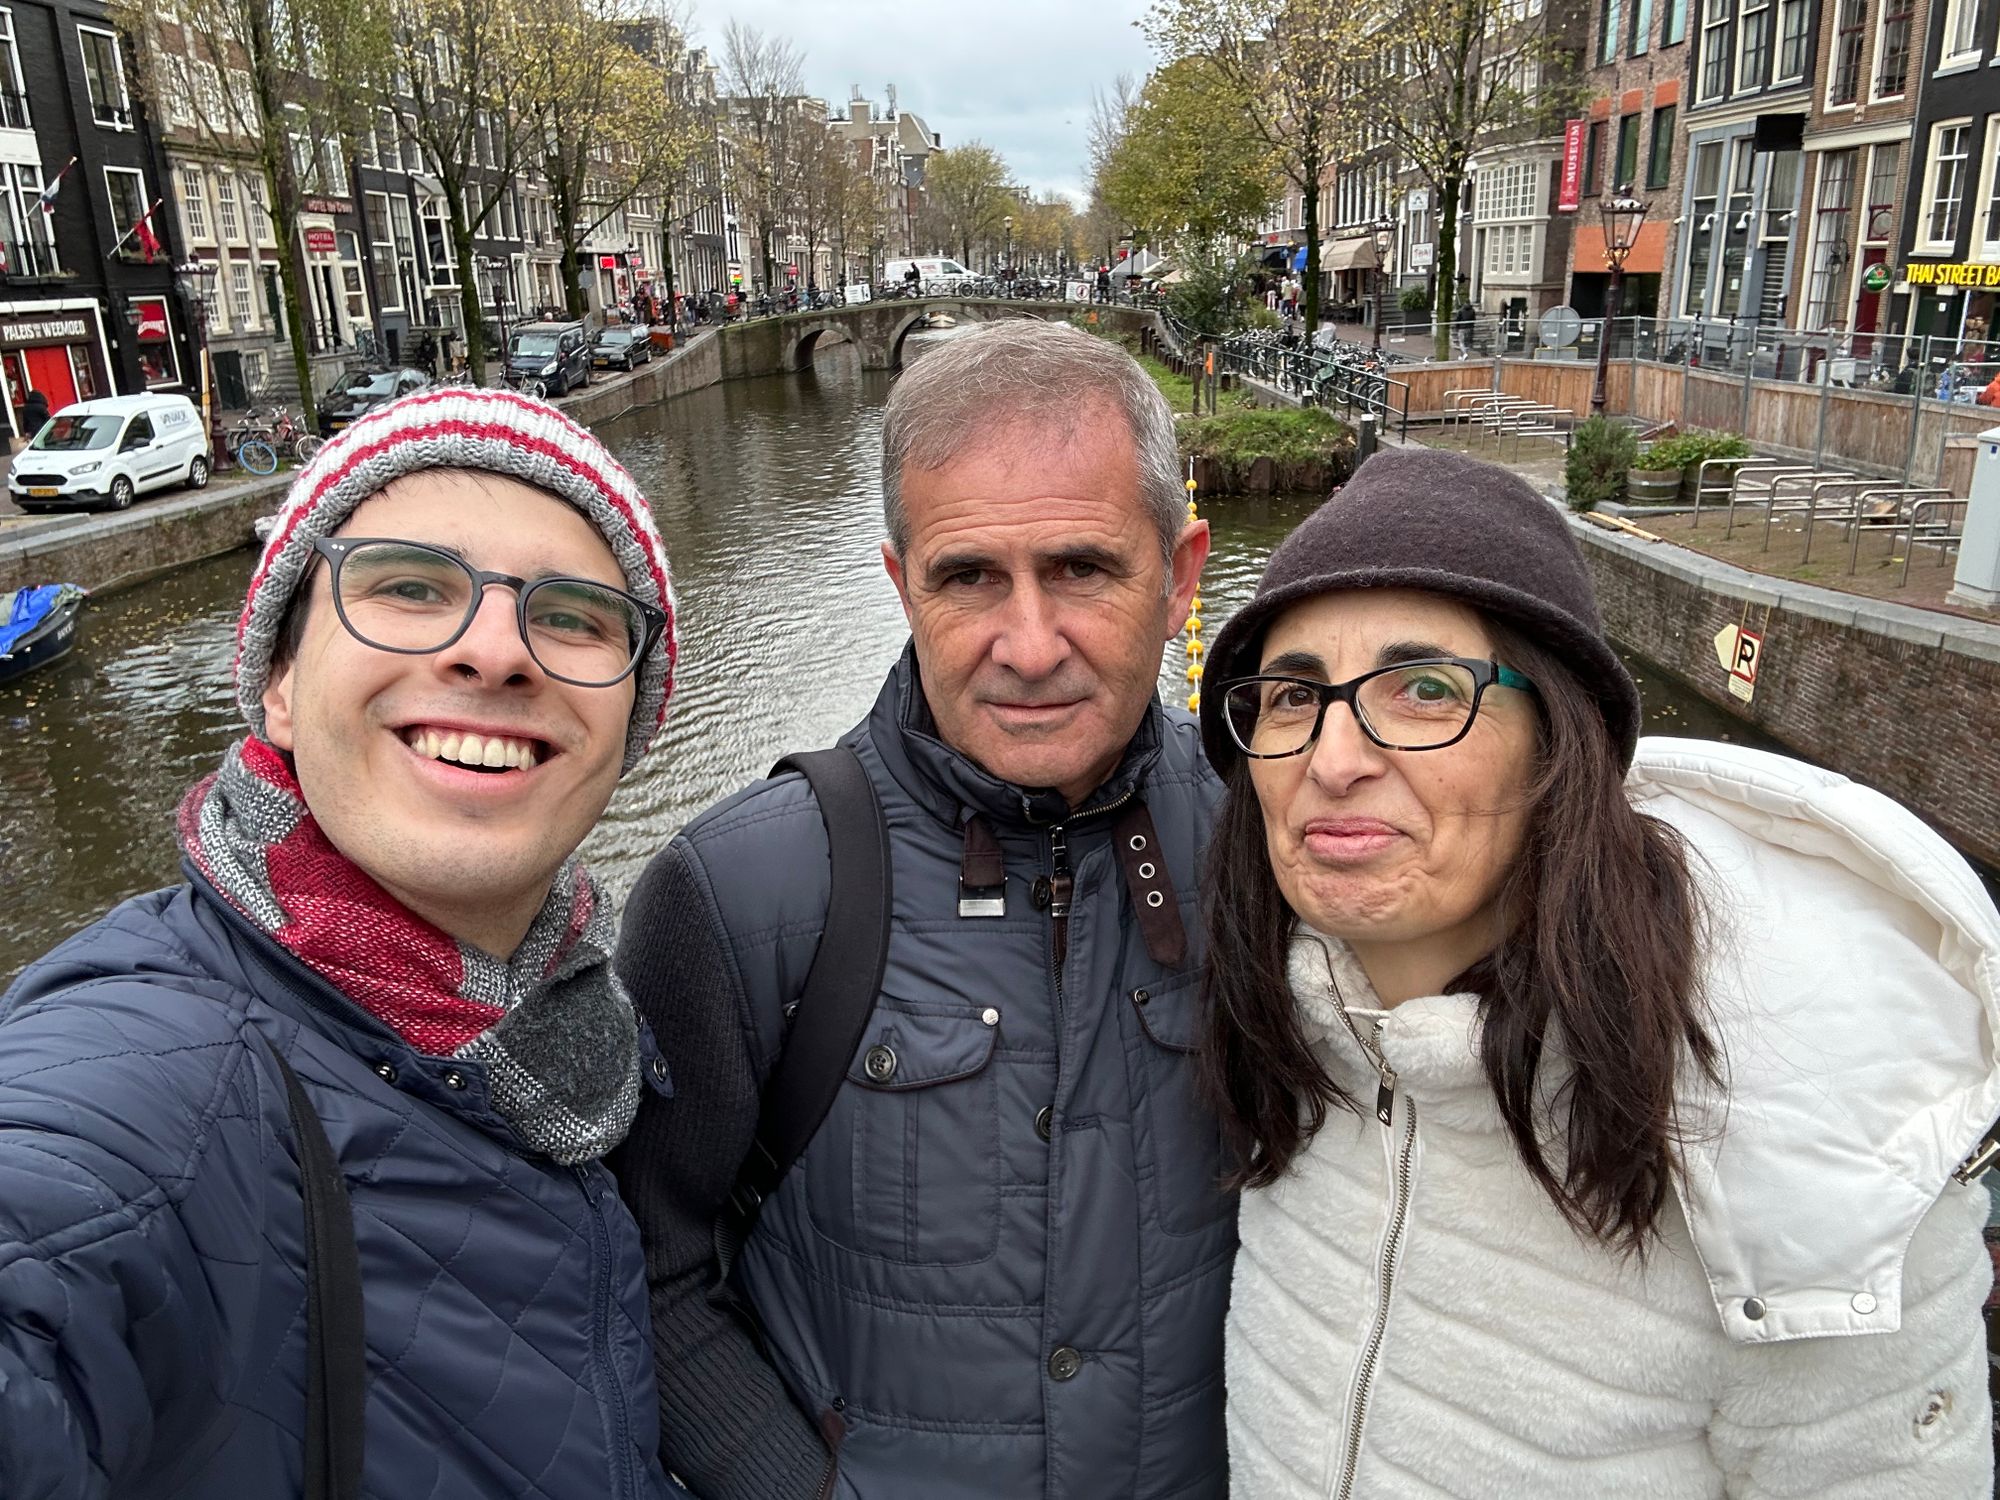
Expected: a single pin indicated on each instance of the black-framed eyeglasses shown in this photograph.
(1413, 705)
(415, 599)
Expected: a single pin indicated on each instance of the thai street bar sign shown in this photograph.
(1983, 274)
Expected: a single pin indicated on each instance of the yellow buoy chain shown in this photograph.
(1193, 626)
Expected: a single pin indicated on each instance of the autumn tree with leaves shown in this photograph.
(1182, 166)
(280, 84)
(1448, 77)
(967, 186)
(1287, 64)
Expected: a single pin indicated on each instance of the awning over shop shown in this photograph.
(1357, 254)
(1276, 255)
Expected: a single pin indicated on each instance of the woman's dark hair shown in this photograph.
(1600, 963)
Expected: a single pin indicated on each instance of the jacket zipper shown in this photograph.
(611, 1395)
(1399, 1210)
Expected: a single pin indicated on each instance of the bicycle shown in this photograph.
(256, 456)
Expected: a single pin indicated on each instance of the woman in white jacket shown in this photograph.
(1598, 1129)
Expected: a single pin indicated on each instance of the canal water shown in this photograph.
(769, 497)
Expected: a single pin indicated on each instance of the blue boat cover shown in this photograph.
(27, 609)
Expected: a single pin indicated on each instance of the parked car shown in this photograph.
(363, 391)
(109, 451)
(557, 354)
(623, 345)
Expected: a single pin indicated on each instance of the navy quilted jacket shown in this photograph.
(152, 1293)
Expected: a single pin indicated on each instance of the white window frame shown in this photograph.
(260, 209)
(1768, 9)
(193, 185)
(123, 227)
(383, 231)
(1960, 16)
(228, 217)
(1717, 16)
(1831, 35)
(1986, 227)
(11, 79)
(1912, 45)
(124, 104)
(1778, 76)
(1928, 201)
(243, 295)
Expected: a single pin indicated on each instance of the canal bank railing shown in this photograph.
(1315, 378)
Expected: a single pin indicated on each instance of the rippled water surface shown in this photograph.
(769, 497)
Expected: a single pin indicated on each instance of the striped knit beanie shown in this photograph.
(459, 427)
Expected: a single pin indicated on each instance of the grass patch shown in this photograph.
(1286, 434)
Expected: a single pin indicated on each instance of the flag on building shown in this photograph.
(48, 194)
(148, 241)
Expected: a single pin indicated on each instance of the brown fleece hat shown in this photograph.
(1422, 518)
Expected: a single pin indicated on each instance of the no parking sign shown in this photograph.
(1739, 651)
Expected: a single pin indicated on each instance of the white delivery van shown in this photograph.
(107, 451)
(940, 273)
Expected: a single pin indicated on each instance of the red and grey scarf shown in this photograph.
(551, 1026)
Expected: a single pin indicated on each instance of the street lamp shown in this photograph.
(1007, 265)
(1623, 215)
(1384, 231)
(496, 266)
(195, 281)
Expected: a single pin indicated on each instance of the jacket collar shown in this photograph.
(952, 787)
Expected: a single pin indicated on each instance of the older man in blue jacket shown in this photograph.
(386, 976)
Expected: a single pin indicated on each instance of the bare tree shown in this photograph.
(276, 83)
(763, 77)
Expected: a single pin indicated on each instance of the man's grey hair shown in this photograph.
(1023, 372)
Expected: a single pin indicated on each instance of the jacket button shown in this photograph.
(1041, 893)
(659, 1067)
(1753, 1309)
(386, 1072)
(879, 1063)
(1065, 1363)
(1864, 1303)
(453, 1079)
(1045, 1119)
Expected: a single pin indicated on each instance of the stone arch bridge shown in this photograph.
(771, 346)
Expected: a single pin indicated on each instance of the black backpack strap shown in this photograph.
(839, 994)
(336, 1361)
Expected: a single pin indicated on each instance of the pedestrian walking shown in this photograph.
(1525, 1032)
(301, 1189)
(997, 1264)
(34, 414)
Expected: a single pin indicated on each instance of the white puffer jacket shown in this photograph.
(1808, 1322)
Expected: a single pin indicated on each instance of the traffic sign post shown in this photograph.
(1740, 651)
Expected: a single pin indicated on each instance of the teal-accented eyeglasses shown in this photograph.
(1414, 705)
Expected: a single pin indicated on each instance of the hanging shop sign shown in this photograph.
(1983, 274)
(328, 205)
(1570, 199)
(1875, 278)
(152, 327)
(320, 242)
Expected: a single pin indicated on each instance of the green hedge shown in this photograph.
(1685, 450)
(1599, 454)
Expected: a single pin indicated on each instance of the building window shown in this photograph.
(13, 93)
(1642, 25)
(1660, 160)
(1961, 32)
(260, 210)
(1753, 45)
(125, 187)
(382, 253)
(1607, 31)
(1703, 226)
(194, 202)
(437, 242)
(1826, 291)
(1843, 74)
(1628, 154)
(1885, 190)
(104, 73)
(1986, 234)
(1593, 156)
(1892, 49)
(29, 234)
(1674, 30)
(1715, 49)
(1793, 19)
(1951, 143)
(228, 222)
(242, 305)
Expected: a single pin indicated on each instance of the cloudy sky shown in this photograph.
(1016, 75)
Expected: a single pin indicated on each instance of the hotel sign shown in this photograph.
(1967, 273)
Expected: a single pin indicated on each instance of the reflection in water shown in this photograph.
(768, 496)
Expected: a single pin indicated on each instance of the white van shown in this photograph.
(108, 451)
(940, 273)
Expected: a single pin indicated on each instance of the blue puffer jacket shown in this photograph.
(152, 1293)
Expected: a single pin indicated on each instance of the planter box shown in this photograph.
(1652, 486)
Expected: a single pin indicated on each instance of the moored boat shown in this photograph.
(37, 626)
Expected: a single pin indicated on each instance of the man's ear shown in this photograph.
(893, 566)
(279, 727)
(1190, 554)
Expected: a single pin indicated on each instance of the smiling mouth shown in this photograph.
(492, 753)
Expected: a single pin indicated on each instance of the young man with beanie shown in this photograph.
(300, 1181)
